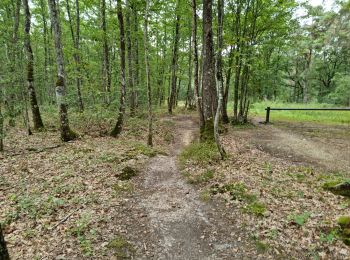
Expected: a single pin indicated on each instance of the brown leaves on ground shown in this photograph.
(63, 200)
(280, 204)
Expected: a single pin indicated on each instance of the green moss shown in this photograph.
(338, 187)
(207, 132)
(127, 173)
(121, 248)
(344, 221)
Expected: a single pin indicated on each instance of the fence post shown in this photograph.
(267, 115)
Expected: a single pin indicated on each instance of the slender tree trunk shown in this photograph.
(4, 255)
(208, 82)
(76, 43)
(136, 56)
(219, 78)
(189, 93)
(225, 118)
(119, 125)
(196, 65)
(66, 133)
(47, 82)
(38, 123)
(131, 79)
(172, 98)
(148, 78)
(106, 64)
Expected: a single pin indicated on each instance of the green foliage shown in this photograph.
(299, 219)
(122, 187)
(203, 153)
(256, 208)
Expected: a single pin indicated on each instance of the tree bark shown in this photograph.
(131, 78)
(208, 81)
(148, 78)
(76, 43)
(66, 133)
(172, 98)
(120, 121)
(38, 123)
(189, 93)
(4, 255)
(105, 62)
(196, 65)
(219, 78)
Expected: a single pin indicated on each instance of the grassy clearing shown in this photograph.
(324, 117)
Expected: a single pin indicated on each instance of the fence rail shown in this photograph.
(269, 109)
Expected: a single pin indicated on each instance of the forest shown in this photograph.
(133, 129)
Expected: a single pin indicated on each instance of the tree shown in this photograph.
(76, 42)
(106, 64)
(208, 81)
(4, 255)
(38, 123)
(119, 125)
(196, 65)
(219, 78)
(66, 133)
(148, 78)
(173, 91)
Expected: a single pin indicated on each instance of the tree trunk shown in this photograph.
(66, 133)
(76, 43)
(38, 123)
(219, 78)
(119, 125)
(131, 79)
(148, 78)
(208, 81)
(4, 255)
(189, 93)
(196, 65)
(172, 98)
(225, 118)
(106, 66)
(1, 129)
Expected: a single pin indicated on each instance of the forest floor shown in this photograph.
(105, 198)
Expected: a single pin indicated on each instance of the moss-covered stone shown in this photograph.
(121, 248)
(344, 221)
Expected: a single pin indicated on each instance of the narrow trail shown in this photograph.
(183, 226)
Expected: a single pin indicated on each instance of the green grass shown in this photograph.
(203, 153)
(324, 117)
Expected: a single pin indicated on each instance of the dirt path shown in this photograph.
(180, 224)
(318, 145)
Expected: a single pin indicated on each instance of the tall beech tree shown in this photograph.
(37, 121)
(120, 121)
(148, 77)
(76, 43)
(106, 73)
(208, 81)
(66, 133)
(173, 90)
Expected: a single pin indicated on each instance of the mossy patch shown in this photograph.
(121, 247)
(203, 153)
(338, 187)
(127, 173)
(257, 208)
(344, 231)
(122, 187)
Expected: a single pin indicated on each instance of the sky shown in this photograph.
(327, 4)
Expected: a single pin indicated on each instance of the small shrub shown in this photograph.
(127, 173)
